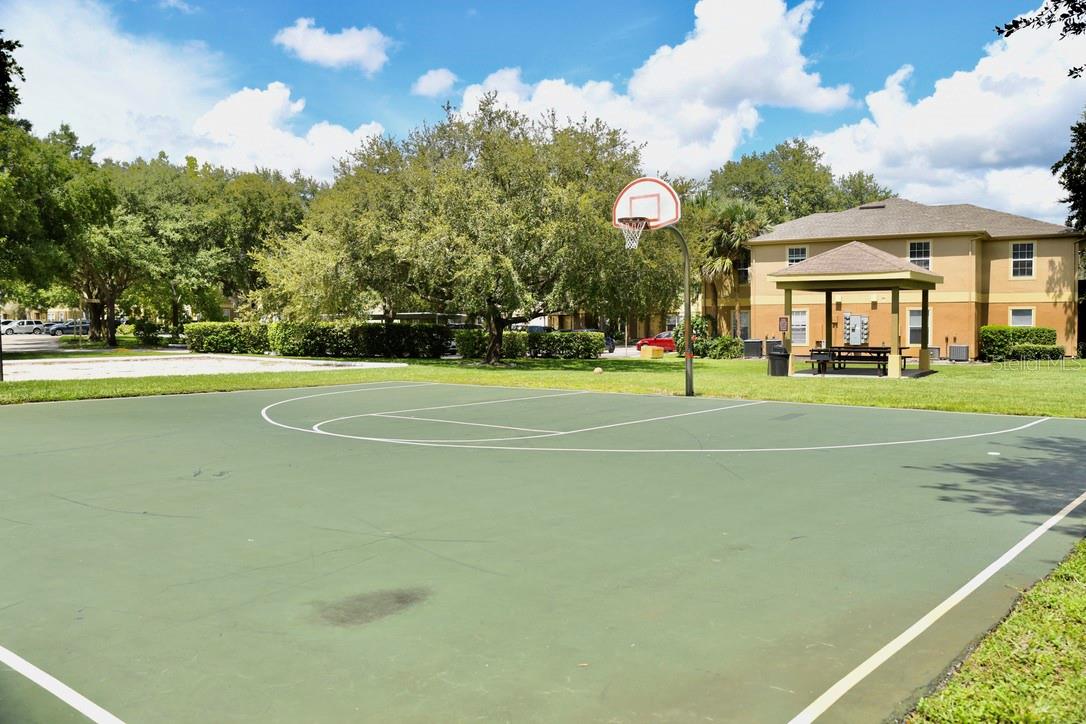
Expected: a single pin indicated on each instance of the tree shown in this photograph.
(791, 181)
(1072, 174)
(9, 71)
(859, 188)
(107, 260)
(729, 225)
(1070, 15)
(505, 211)
(180, 208)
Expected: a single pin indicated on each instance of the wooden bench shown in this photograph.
(841, 357)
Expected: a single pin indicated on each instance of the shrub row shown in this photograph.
(1035, 351)
(320, 339)
(723, 348)
(227, 337)
(472, 343)
(567, 345)
(996, 340)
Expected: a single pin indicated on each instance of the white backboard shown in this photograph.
(649, 198)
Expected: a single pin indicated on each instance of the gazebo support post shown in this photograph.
(925, 353)
(786, 336)
(893, 363)
(829, 319)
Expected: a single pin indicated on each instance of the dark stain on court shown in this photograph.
(369, 607)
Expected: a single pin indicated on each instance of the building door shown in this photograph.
(741, 324)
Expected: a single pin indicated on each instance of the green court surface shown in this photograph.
(411, 552)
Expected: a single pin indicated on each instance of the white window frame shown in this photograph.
(1032, 260)
(788, 254)
(925, 259)
(806, 327)
(909, 326)
(1032, 316)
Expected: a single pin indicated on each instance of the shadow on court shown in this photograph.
(1035, 476)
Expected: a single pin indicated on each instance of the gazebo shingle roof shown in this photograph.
(901, 217)
(852, 258)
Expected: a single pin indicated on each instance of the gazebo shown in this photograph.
(858, 267)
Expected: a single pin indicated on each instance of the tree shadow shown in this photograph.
(1050, 474)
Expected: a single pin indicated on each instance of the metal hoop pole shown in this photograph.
(687, 320)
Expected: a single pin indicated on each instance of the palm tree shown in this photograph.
(729, 225)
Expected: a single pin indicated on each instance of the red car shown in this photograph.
(664, 339)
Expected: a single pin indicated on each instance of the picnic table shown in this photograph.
(840, 357)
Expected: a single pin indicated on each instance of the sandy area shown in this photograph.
(85, 368)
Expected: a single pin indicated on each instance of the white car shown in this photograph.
(24, 326)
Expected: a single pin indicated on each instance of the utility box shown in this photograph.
(958, 353)
(650, 352)
(752, 348)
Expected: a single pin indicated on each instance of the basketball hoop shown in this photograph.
(631, 228)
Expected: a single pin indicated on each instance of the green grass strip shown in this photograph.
(1042, 389)
(1030, 668)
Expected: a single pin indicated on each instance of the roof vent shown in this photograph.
(877, 205)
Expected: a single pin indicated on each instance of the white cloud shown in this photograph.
(693, 104)
(365, 48)
(134, 96)
(987, 135)
(251, 128)
(178, 5)
(434, 83)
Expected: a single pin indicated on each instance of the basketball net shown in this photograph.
(631, 230)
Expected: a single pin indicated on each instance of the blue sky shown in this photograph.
(699, 83)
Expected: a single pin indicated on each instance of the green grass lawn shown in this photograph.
(1053, 389)
(1032, 667)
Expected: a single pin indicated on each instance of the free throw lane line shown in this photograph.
(57, 688)
(819, 706)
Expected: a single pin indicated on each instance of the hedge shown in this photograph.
(147, 332)
(567, 345)
(1035, 351)
(472, 343)
(227, 337)
(321, 339)
(996, 340)
(726, 347)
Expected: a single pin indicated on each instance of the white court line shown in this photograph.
(443, 407)
(467, 443)
(819, 706)
(319, 425)
(458, 422)
(57, 688)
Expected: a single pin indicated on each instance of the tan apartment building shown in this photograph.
(997, 268)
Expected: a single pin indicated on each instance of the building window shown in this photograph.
(920, 253)
(1022, 259)
(796, 254)
(744, 275)
(741, 326)
(1021, 318)
(916, 316)
(799, 326)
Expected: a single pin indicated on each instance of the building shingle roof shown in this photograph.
(901, 217)
(852, 258)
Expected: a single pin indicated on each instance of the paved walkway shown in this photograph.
(85, 368)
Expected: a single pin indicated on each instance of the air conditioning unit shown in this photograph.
(958, 353)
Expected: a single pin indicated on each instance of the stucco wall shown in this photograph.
(977, 289)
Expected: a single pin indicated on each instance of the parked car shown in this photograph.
(74, 326)
(24, 326)
(664, 339)
(608, 340)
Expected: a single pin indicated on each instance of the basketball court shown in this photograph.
(419, 552)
